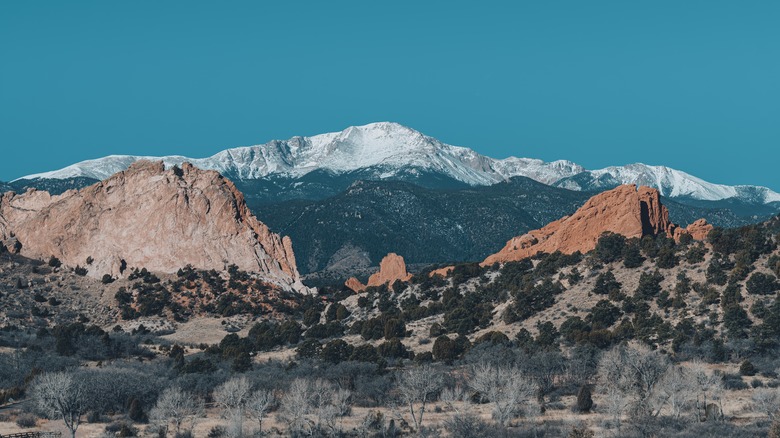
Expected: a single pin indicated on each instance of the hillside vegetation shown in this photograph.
(636, 338)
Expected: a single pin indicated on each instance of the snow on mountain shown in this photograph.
(390, 148)
(670, 182)
(538, 170)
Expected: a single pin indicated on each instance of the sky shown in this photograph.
(692, 85)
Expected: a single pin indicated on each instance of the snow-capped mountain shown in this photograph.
(388, 149)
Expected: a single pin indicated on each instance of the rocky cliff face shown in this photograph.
(624, 210)
(391, 268)
(149, 217)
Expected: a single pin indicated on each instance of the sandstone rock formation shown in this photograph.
(442, 272)
(391, 268)
(624, 210)
(355, 284)
(150, 217)
(699, 230)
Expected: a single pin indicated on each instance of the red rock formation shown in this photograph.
(442, 272)
(150, 217)
(391, 268)
(623, 210)
(698, 230)
(654, 216)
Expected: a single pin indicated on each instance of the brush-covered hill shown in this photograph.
(715, 300)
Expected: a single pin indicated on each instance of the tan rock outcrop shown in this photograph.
(354, 284)
(147, 216)
(624, 210)
(391, 269)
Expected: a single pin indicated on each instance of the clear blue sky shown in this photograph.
(690, 84)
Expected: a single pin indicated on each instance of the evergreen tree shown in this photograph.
(606, 284)
(632, 254)
(649, 285)
(609, 247)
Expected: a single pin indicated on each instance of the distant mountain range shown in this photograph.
(389, 151)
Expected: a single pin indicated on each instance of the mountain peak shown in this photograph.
(388, 127)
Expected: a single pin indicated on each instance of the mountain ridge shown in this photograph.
(388, 149)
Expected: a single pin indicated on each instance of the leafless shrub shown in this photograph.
(507, 388)
(629, 376)
(766, 401)
(176, 406)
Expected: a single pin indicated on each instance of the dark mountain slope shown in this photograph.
(423, 225)
(321, 184)
(356, 228)
(53, 186)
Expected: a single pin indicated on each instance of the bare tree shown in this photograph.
(177, 406)
(617, 402)
(342, 399)
(311, 407)
(233, 398)
(342, 404)
(258, 405)
(630, 375)
(418, 386)
(506, 387)
(295, 406)
(709, 388)
(616, 384)
(677, 390)
(321, 395)
(61, 395)
(767, 401)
